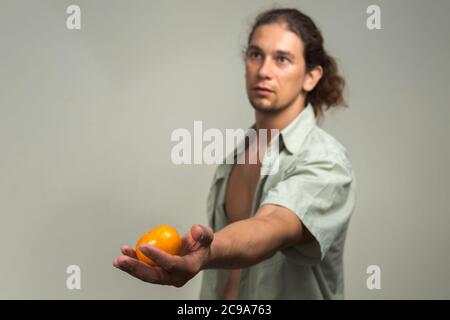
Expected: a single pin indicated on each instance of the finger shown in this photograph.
(203, 235)
(128, 251)
(141, 270)
(163, 259)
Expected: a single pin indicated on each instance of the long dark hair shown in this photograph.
(329, 90)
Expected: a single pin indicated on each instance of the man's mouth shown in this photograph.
(262, 90)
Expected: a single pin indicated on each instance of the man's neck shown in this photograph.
(278, 120)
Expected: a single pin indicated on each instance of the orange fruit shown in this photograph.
(164, 237)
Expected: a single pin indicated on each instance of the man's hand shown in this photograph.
(171, 270)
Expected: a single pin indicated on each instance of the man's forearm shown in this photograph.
(244, 243)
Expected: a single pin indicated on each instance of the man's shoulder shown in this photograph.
(320, 144)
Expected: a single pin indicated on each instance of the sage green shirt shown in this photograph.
(316, 182)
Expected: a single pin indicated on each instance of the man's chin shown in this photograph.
(265, 108)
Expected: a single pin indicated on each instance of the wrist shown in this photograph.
(210, 254)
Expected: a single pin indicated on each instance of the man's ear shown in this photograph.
(312, 78)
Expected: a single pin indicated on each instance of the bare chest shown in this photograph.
(240, 191)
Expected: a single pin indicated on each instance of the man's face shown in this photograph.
(274, 62)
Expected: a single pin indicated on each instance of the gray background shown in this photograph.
(86, 118)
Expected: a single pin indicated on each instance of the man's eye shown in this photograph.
(283, 59)
(254, 54)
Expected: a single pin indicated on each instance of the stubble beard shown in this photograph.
(268, 109)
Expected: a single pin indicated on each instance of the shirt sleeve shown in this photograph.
(320, 191)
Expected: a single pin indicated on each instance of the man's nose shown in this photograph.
(265, 70)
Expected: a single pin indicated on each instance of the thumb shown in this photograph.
(202, 234)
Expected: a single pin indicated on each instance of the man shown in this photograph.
(278, 236)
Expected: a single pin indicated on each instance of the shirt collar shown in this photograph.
(292, 137)
(298, 129)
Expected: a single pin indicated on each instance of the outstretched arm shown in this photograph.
(238, 245)
(247, 242)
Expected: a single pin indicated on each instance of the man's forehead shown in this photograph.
(276, 38)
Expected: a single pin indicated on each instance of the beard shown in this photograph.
(272, 108)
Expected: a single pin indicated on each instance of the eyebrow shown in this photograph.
(279, 52)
